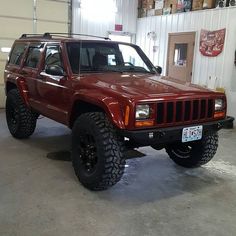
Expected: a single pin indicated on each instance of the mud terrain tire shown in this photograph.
(195, 154)
(97, 151)
(21, 120)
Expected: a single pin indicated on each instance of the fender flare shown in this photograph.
(111, 106)
(23, 90)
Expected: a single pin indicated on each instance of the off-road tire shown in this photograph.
(109, 151)
(194, 154)
(21, 120)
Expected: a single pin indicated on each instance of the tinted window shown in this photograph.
(106, 57)
(17, 53)
(33, 56)
(53, 56)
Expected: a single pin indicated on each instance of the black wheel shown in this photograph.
(21, 120)
(97, 151)
(194, 154)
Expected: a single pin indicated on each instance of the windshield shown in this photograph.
(87, 57)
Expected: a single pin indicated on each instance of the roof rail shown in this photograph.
(72, 34)
(45, 35)
(69, 35)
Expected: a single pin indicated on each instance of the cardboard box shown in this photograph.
(155, 12)
(139, 4)
(187, 5)
(158, 12)
(232, 3)
(208, 4)
(180, 6)
(142, 12)
(221, 3)
(148, 4)
(197, 5)
(167, 11)
(159, 4)
(172, 4)
(151, 12)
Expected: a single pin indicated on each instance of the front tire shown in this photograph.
(21, 121)
(194, 154)
(97, 151)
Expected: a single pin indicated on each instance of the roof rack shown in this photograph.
(48, 35)
(45, 35)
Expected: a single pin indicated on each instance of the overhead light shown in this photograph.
(101, 10)
(5, 49)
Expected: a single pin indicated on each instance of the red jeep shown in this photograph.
(113, 98)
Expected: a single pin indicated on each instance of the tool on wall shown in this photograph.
(235, 58)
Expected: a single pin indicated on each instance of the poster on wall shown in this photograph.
(212, 42)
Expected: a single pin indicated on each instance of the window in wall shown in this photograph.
(180, 54)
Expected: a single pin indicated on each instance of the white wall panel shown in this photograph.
(52, 10)
(29, 16)
(84, 22)
(222, 66)
(19, 8)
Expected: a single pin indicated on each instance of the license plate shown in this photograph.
(192, 133)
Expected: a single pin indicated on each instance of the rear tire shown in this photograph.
(194, 154)
(97, 151)
(21, 120)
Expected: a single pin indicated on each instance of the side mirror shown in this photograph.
(159, 70)
(54, 70)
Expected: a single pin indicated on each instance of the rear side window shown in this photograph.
(33, 56)
(17, 53)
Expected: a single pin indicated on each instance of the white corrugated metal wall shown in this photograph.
(222, 66)
(29, 16)
(84, 21)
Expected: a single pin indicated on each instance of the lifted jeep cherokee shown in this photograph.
(112, 97)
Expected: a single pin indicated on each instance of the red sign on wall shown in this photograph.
(212, 42)
(118, 27)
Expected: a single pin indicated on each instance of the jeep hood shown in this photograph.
(144, 86)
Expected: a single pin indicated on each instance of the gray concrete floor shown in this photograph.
(41, 196)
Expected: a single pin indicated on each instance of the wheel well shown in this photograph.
(10, 86)
(81, 107)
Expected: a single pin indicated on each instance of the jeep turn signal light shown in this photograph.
(220, 114)
(144, 123)
(127, 111)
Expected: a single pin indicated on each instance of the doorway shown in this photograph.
(180, 55)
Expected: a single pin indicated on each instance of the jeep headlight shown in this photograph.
(142, 112)
(219, 104)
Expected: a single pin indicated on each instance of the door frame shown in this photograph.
(168, 49)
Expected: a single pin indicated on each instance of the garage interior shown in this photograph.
(40, 194)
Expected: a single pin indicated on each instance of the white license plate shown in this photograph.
(192, 133)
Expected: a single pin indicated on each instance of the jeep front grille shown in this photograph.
(184, 111)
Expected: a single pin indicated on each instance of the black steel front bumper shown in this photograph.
(172, 134)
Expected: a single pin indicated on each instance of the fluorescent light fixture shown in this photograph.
(99, 10)
(120, 38)
(5, 49)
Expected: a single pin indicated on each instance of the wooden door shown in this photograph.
(180, 55)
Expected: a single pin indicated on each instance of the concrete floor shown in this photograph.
(40, 195)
